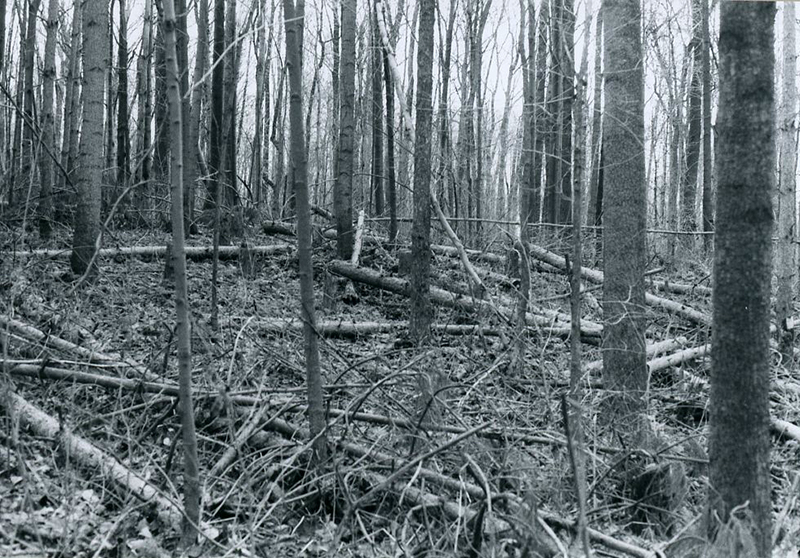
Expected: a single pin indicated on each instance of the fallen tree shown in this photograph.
(192, 252)
(446, 298)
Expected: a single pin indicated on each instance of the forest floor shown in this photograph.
(496, 428)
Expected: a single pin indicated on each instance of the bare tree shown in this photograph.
(191, 473)
(343, 186)
(624, 211)
(739, 439)
(293, 20)
(90, 174)
(48, 124)
(785, 256)
(421, 311)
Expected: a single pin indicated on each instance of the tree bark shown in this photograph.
(739, 442)
(624, 211)
(708, 202)
(421, 312)
(294, 46)
(785, 256)
(343, 186)
(48, 124)
(123, 136)
(189, 437)
(376, 71)
(90, 174)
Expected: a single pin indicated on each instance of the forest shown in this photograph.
(413, 278)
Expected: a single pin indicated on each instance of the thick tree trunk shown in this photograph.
(624, 212)
(739, 440)
(90, 174)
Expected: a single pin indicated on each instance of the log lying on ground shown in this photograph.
(91, 457)
(278, 228)
(351, 329)
(35, 335)
(192, 252)
(596, 366)
(596, 276)
(446, 298)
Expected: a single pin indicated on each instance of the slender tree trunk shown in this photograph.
(391, 185)
(199, 87)
(316, 413)
(594, 209)
(567, 47)
(144, 86)
(191, 167)
(785, 260)
(123, 135)
(624, 215)
(421, 312)
(48, 123)
(529, 182)
(90, 174)
(72, 95)
(739, 424)
(258, 133)
(191, 495)
(376, 70)
(539, 112)
(217, 104)
(708, 202)
(229, 133)
(110, 190)
(161, 148)
(343, 187)
(693, 139)
(28, 140)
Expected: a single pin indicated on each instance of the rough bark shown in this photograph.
(708, 202)
(421, 312)
(48, 124)
(624, 211)
(785, 256)
(343, 186)
(90, 174)
(123, 136)
(144, 85)
(198, 102)
(739, 442)
(693, 138)
(376, 71)
(27, 176)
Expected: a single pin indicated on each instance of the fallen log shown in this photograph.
(91, 457)
(652, 350)
(446, 298)
(351, 329)
(596, 276)
(192, 252)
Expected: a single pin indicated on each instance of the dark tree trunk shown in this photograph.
(123, 136)
(739, 439)
(376, 71)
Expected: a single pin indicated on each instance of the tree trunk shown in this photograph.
(294, 45)
(421, 312)
(785, 258)
(48, 124)
(217, 106)
(191, 495)
(739, 439)
(343, 186)
(256, 177)
(123, 136)
(376, 70)
(90, 174)
(567, 47)
(144, 86)
(624, 211)
(391, 185)
(72, 97)
(27, 173)
(708, 202)
(593, 208)
(529, 183)
(693, 139)
(199, 88)
(230, 79)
